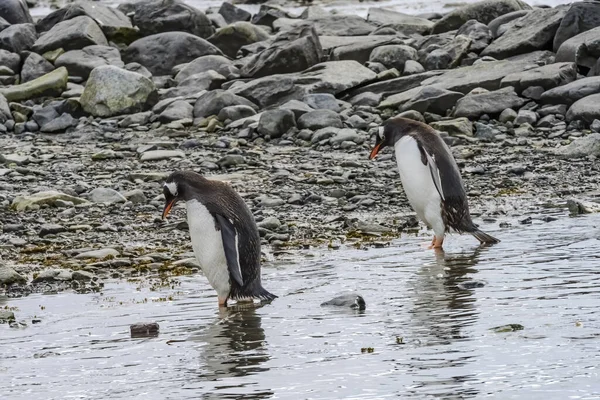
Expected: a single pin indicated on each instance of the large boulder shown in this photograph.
(403, 23)
(583, 49)
(49, 85)
(219, 64)
(161, 52)
(112, 91)
(292, 51)
(115, 25)
(71, 34)
(212, 102)
(82, 62)
(34, 67)
(17, 38)
(547, 76)
(15, 12)
(534, 31)
(580, 17)
(231, 38)
(334, 77)
(158, 16)
(343, 25)
(393, 55)
(585, 109)
(571, 92)
(482, 11)
(422, 99)
(487, 75)
(491, 103)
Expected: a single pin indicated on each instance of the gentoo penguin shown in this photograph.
(224, 235)
(430, 178)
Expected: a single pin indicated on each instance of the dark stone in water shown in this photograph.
(352, 300)
(526, 221)
(471, 285)
(144, 330)
(508, 328)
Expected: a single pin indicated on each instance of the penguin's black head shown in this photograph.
(172, 195)
(393, 130)
(183, 185)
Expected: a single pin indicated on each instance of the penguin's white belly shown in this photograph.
(418, 184)
(208, 247)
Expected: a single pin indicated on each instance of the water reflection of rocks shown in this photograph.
(443, 308)
(233, 346)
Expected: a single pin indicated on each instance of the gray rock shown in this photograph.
(71, 34)
(393, 56)
(275, 123)
(136, 196)
(233, 113)
(267, 14)
(449, 55)
(583, 49)
(403, 23)
(547, 76)
(412, 67)
(453, 127)
(437, 59)
(334, 77)
(487, 75)
(525, 117)
(59, 124)
(486, 132)
(231, 160)
(99, 254)
(5, 114)
(82, 62)
(52, 275)
(395, 85)
(342, 25)
(138, 69)
(219, 64)
(270, 223)
(299, 108)
(412, 114)
(533, 92)
(346, 135)
(560, 109)
(231, 38)
(595, 125)
(498, 25)
(354, 48)
(141, 330)
(17, 38)
(111, 91)
(82, 276)
(157, 155)
(10, 60)
(3, 24)
(44, 115)
(580, 17)
(49, 197)
(233, 14)
(292, 51)
(491, 103)
(212, 102)
(9, 276)
(15, 12)
(49, 85)
(176, 111)
(115, 25)
(158, 16)
(479, 33)
(577, 207)
(508, 115)
(422, 99)
(106, 196)
(34, 67)
(582, 147)
(322, 101)
(270, 90)
(14, 159)
(534, 31)
(482, 11)
(139, 118)
(208, 80)
(572, 92)
(320, 119)
(585, 109)
(161, 52)
(365, 99)
(350, 300)
(51, 229)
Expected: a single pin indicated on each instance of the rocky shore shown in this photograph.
(98, 105)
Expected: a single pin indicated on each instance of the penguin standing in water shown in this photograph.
(430, 178)
(224, 235)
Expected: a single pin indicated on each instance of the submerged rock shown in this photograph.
(350, 300)
(144, 330)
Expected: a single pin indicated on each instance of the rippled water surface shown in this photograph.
(544, 276)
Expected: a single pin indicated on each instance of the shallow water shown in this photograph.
(544, 276)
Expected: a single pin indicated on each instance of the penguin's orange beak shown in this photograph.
(375, 151)
(167, 208)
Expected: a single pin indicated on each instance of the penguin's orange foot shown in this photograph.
(436, 243)
(222, 301)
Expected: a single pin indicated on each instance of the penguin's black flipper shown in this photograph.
(230, 245)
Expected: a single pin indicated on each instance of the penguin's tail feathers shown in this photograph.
(483, 237)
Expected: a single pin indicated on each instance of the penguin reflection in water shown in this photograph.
(224, 235)
(430, 178)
